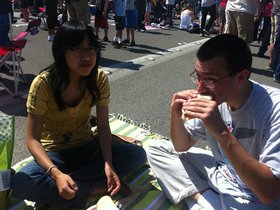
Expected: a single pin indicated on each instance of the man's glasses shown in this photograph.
(81, 51)
(209, 83)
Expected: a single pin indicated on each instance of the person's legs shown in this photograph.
(231, 22)
(24, 10)
(264, 42)
(204, 13)
(245, 26)
(32, 183)
(51, 12)
(212, 13)
(71, 11)
(82, 12)
(190, 177)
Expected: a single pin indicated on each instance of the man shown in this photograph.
(240, 18)
(241, 125)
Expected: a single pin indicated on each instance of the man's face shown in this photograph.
(214, 79)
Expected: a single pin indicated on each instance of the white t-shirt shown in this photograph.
(247, 6)
(257, 127)
(186, 19)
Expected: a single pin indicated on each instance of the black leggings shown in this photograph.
(51, 11)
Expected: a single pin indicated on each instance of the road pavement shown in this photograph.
(142, 80)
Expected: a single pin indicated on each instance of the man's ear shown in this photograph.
(243, 76)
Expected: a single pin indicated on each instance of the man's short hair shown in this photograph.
(235, 51)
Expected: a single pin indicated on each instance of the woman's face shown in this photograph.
(81, 59)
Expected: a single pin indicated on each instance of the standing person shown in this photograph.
(78, 10)
(222, 16)
(70, 163)
(26, 7)
(140, 9)
(169, 14)
(119, 16)
(241, 124)
(276, 57)
(240, 18)
(101, 18)
(51, 12)
(265, 33)
(207, 6)
(275, 14)
(130, 22)
(147, 18)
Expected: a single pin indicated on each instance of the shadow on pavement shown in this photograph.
(263, 72)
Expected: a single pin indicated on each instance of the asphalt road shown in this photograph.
(142, 80)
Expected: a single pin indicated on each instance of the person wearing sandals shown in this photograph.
(70, 163)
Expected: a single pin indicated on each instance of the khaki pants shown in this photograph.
(240, 24)
(79, 10)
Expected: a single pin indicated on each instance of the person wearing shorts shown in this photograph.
(101, 20)
(130, 22)
(26, 9)
(119, 16)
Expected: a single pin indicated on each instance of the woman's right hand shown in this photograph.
(178, 99)
(65, 185)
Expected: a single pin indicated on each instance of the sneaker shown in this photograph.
(202, 35)
(132, 43)
(51, 38)
(269, 67)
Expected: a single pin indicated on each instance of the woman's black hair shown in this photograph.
(236, 52)
(71, 34)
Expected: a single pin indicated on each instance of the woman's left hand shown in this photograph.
(113, 180)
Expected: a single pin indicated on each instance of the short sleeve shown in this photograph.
(38, 95)
(104, 89)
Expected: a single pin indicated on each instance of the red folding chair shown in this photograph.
(10, 50)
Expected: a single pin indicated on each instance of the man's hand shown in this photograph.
(113, 181)
(66, 186)
(207, 111)
(178, 100)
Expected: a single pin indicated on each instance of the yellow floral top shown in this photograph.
(67, 128)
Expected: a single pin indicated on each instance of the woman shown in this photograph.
(69, 163)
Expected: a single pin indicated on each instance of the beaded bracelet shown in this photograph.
(50, 169)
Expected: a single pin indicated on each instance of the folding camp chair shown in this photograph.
(10, 50)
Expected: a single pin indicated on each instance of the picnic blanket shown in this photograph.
(147, 193)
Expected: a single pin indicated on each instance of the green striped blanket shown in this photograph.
(147, 193)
